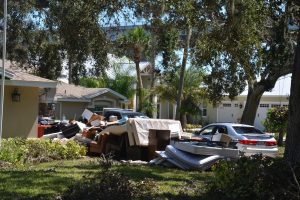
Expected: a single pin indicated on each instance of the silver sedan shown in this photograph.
(246, 138)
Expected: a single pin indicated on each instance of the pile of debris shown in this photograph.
(156, 140)
(84, 131)
(137, 139)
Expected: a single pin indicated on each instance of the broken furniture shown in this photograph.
(132, 140)
(98, 146)
(72, 129)
(158, 141)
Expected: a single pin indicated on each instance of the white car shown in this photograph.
(246, 138)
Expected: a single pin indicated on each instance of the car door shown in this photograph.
(207, 132)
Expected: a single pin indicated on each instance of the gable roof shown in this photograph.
(18, 77)
(69, 92)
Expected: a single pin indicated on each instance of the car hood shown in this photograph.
(257, 136)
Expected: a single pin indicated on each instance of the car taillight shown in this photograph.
(248, 142)
(271, 143)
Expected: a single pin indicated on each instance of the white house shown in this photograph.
(231, 111)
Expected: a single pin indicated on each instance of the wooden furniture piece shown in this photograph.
(158, 140)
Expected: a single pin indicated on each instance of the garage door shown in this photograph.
(262, 111)
(261, 115)
(228, 112)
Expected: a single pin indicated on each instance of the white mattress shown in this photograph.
(192, 147)
(190, 160)
(138, 129)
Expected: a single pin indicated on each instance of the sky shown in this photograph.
(282, 87)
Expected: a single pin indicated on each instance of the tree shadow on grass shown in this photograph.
(6, 195)
(138, 173)
(33, 184)
(181, 196)
(183, 184)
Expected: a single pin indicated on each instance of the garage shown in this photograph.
(229, 112)
(262, 111)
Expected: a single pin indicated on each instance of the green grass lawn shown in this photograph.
(43, 181)
(281, 151)
(172, 183)
(47, 180)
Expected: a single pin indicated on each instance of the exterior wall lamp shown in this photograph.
(16, 96)
(241, 106)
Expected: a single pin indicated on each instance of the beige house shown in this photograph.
(69, 101)
(21, 102)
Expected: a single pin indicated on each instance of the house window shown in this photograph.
(227, 105)
(98, 108)
(275, 105)
(285, 105)
(236, 105)
(264, 105)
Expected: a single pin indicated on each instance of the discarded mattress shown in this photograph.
(138, 129)
(185, 160)
(163, 159)
(202, 149)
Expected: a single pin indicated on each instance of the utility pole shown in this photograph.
(3, 66)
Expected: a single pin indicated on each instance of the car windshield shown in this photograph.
(246, 130)
(134, 115)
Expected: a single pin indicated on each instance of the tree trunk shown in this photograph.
(70, 65)
(253, 98)
(152, 96)
(292, 147)
(182, 71)
(152, 79)
(183, 120)
(280, 138)
(139, 86)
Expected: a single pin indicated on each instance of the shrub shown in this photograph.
(19, 151)
(191, 126)
(47, 150)
(254, 178)
(12, 150)
(276, 121)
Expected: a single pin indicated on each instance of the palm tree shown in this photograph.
(134, 43)
(192, 92)
(119, 80)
